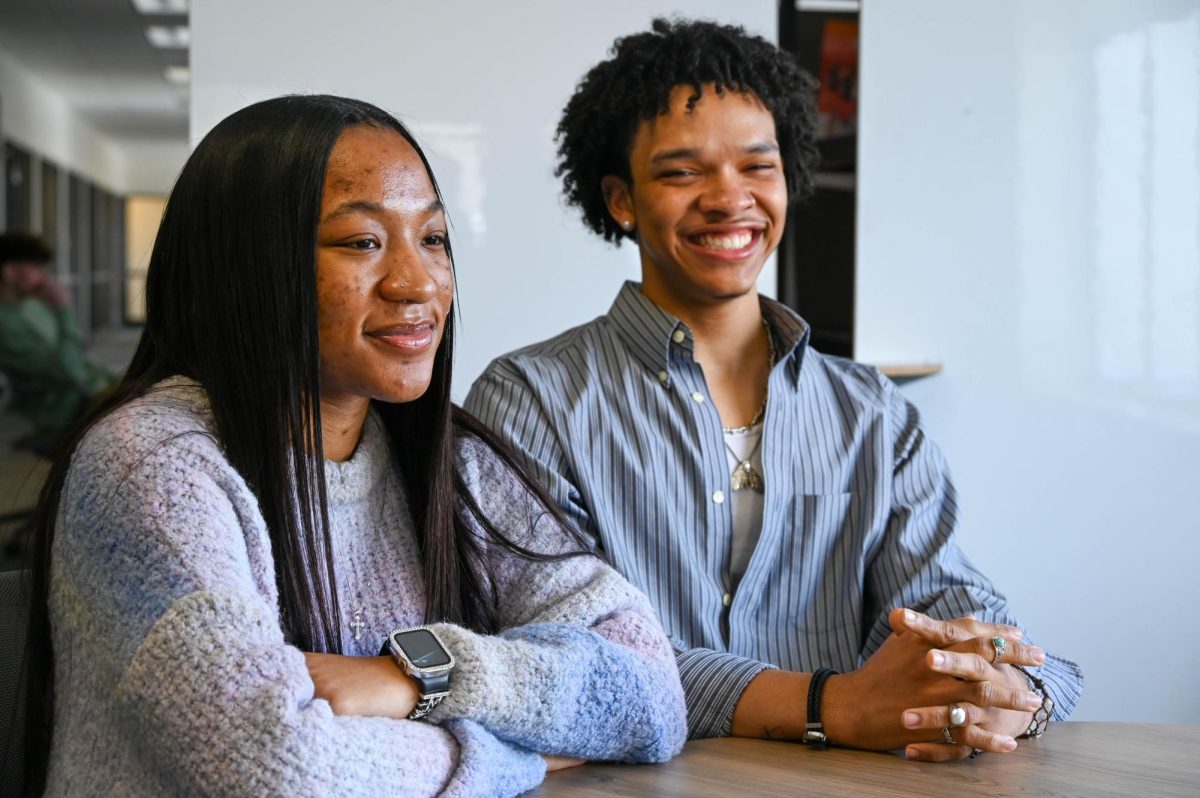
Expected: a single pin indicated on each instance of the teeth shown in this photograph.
(735, 241)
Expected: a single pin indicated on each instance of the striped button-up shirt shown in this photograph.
(615, 418)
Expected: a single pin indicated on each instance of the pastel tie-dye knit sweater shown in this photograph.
(172, 676)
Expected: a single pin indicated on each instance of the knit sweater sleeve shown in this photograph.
(582, 667)
(164, 590)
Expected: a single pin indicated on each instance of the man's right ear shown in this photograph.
(619, 200)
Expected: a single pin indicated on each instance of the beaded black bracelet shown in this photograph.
(1041, 718)
(815, 729)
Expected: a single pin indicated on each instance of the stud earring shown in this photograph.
(627, 224)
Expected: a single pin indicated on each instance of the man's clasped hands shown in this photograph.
(904, 695)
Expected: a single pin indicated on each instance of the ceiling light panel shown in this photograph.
(178, 75)
(169, 37)
(160, 6)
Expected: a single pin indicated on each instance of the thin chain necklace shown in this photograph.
(744, 474)
(758, 416)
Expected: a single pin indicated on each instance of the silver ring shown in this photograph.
(998, 645)
(958, 716)
(947, 736)
(975, 752)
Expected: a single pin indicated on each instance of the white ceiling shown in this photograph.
(95, 53)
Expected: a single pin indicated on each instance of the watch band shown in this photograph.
(432, 690)
(1041, 717)
(814, 734)
(425, 705)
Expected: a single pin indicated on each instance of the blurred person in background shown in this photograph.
(41, 350)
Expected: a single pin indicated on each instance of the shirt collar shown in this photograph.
(644, 327)
(648, 331)
(791, 334)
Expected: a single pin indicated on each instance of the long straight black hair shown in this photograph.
(231, 303)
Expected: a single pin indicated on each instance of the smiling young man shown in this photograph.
(784, 510)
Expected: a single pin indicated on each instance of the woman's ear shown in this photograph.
(619, 200)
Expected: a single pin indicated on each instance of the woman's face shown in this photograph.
(384, 281)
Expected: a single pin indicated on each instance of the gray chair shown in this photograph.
(14, 610)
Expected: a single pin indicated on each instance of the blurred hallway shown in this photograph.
(21, 472)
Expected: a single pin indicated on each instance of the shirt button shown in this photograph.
(663, 377)
(719, 496)
(727, 599)
(698, 397)
(678, 336)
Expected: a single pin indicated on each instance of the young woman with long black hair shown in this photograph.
(210, 593)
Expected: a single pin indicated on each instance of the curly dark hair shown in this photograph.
(24, 247)
(598, 125)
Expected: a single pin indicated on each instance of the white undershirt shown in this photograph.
(746, 504)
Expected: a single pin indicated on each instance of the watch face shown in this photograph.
(422, 649)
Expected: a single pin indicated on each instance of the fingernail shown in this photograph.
(1039, 656)
(939, 659)
(911, 719)
(1008, 744)
(910, 753)
(910, 616)
(1032, 701)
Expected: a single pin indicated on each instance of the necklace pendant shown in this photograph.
(744, 476)
(357, 625)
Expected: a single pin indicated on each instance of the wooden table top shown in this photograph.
(1084, 759)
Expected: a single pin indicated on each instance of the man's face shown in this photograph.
(708, 199)
(24, 277)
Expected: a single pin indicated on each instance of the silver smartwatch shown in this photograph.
(422, 655)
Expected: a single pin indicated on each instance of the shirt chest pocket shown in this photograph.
(823, 558)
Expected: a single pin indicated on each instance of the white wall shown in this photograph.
(1029, 213)
(151, 166)
(37, 117)
(481, 85)
(40, 120)
(1009, 225)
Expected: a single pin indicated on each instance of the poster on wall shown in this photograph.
(837, 99)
